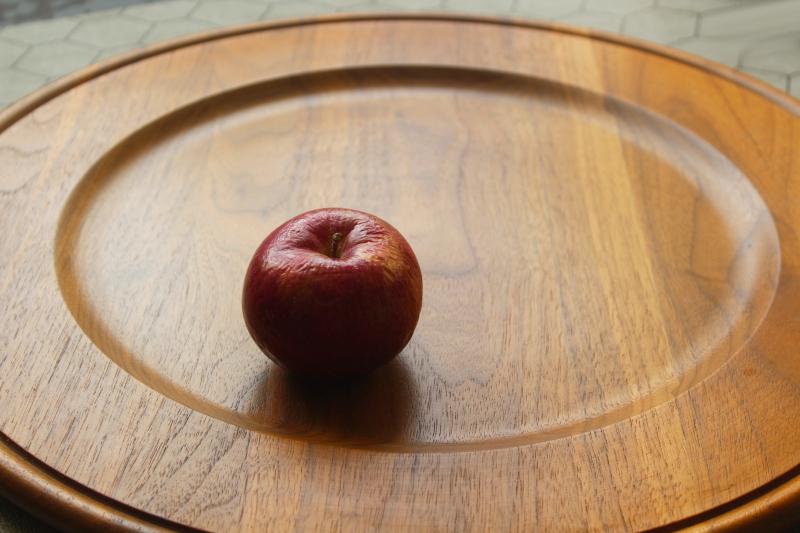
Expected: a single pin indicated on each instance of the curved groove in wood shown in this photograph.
(65, 504)
(776, 502)
(76, 285)
(26, 104)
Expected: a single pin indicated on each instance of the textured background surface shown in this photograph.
(758, 37)
(42, 40)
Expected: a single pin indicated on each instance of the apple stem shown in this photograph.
(336, 240)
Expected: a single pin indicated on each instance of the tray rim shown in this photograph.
(57, 499)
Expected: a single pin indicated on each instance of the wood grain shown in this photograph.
(612, 272)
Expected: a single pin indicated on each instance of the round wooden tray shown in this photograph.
(609, 233)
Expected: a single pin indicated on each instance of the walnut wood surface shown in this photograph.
(608, 235)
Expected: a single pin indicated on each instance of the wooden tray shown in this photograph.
(609, 233)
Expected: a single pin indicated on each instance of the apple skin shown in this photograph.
(332, 293)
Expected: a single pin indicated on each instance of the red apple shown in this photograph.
(332, 293)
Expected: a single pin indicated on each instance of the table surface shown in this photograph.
(761, 38)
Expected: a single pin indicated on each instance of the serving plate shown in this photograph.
(609, 237)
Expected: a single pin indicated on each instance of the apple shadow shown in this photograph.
(367, 411)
